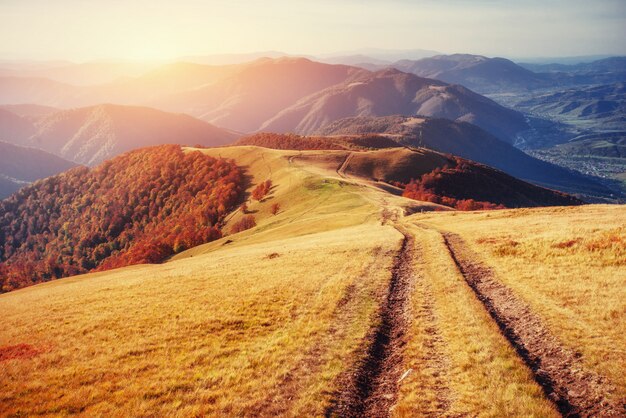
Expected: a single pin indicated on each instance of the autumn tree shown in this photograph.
(244, 223)
(275, 208)
(261, 190)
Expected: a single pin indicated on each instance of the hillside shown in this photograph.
(604, 71)
(391, 92)
(609, 144)
(13, 127)
(478, 73)
(470, 142)
(41, 91)
(469, 186)
(353, 140)
(300, 142)
(257, 91)
(139, 207)
(29, 111)
(91, 135)
(604, 104)
(437, 176)
(20, 166)
(153, 212)
(277, 319)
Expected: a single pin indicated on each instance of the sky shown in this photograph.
(81, 30)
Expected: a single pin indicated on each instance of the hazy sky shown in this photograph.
(155, 29)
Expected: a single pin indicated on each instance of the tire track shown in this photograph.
(576, 393)
(373, 389)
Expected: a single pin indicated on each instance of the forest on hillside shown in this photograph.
(140, 207)
(464, 185)
(292, 141)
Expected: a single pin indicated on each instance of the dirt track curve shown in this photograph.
(556, 368)
(372, 389)
(342, 168)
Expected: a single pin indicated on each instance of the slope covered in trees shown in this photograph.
(465, 185)
(140, 207)
(299, 142)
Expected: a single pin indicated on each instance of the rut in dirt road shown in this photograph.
(557, 369)
(372, 389)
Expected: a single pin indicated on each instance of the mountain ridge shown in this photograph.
(90, 135)
(390, 92)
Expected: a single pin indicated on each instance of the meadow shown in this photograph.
(280, 319)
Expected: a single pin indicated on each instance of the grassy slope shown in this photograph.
(265, 321)
(568, 264)
(233, 331)
(222, 333)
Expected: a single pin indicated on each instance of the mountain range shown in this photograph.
(476, 72)
(487, 75)
(298, 95)
(266, 92)
(392, 92)
(93, 134)
(606, 103)
(603, 71)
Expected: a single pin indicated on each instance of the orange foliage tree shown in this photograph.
(275, 208)
(244, 223)
(261, 190)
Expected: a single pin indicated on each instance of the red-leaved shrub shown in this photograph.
(261, 190)
(244, 223)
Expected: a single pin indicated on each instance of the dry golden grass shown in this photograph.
(259, 322)
(229, 333)
(568, 264)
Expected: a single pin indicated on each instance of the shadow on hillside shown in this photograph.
(389, 188)
(245, 184)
